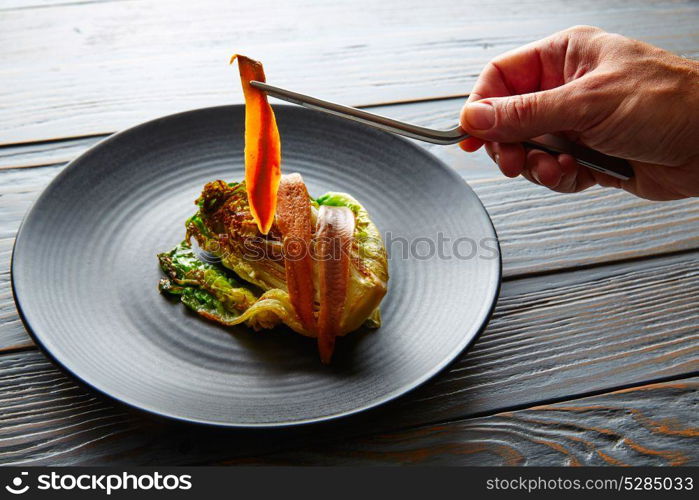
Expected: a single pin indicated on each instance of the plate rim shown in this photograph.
(470, 338)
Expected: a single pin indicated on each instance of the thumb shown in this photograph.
(519, 117)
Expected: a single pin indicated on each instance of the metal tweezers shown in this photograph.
(616, 167)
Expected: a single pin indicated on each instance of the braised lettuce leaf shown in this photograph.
(210, 291)
(248, 284)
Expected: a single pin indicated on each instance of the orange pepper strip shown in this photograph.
(334, 239)
(262, 146)
(294, 222)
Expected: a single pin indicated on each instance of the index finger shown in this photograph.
(541, 65)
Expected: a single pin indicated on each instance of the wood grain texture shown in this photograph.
(12, 332)
(552, 337)
(542, 231)
(571, 333)
(40, 154)
(90, 68)
(651, 425)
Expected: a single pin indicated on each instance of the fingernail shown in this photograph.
(480, 116)
(536, 176)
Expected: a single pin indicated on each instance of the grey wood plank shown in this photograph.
(653, 425)
(543, 231)
(552, 337)
(98, 67)
(12, 333)
(18, 190)
(573, 333)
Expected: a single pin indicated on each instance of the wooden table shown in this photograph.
(592, 356)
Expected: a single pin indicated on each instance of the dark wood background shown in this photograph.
(592, 356)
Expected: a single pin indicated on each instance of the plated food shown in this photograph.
(83, 272)
(273, 253)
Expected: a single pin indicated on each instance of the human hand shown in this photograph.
(619, 96)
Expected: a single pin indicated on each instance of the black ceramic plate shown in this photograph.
(84, 272)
